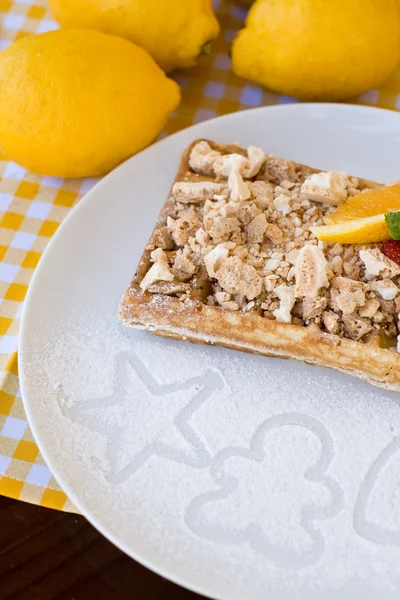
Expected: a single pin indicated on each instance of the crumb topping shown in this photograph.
(327, 188)
(237, 235)
(310, 272)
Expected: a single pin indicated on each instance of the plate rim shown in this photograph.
(202, 589)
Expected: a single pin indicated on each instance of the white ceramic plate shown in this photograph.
(238, 476)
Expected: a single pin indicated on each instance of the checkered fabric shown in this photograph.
(32, 207)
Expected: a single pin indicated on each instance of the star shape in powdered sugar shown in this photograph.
(143, 418)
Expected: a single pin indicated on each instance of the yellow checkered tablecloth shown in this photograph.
(32, 207)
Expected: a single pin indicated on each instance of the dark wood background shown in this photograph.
(47, 555)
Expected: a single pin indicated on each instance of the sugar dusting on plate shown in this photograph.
(206, 457)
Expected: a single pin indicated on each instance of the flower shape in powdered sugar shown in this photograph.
(270, 496)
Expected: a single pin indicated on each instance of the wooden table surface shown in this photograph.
(48, 555)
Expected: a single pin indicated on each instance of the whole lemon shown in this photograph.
(319, 49)
(76, 103)
(172, 31)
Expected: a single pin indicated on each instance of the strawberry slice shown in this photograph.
(391, 249)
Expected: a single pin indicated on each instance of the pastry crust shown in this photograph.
(193, 320)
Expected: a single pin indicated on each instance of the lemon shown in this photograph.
(358, 231)
(172, 31)
(319, 49)
(76, 103)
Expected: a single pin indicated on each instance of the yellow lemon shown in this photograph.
(172, 31)
(319, 49)
(76, 103)
(359, 231)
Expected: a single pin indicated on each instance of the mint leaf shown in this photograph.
(393, 222)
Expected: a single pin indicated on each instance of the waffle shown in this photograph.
(222, 267)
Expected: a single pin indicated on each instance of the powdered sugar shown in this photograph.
(147, 437)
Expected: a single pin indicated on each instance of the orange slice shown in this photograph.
(367, 204)
(358, 231)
